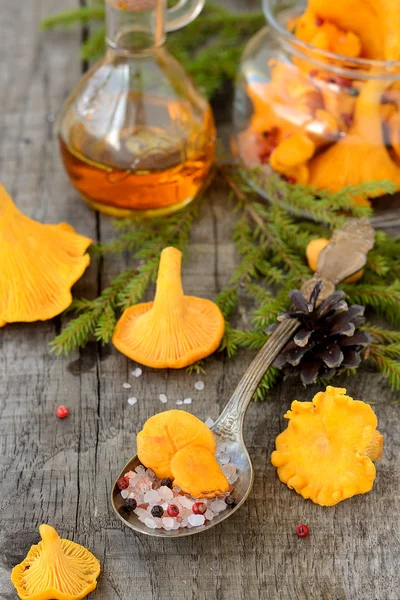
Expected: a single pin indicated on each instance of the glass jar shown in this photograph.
(315, 117)
(136, 137)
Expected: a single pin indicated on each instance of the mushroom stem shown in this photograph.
(50, 537)
(169, 298)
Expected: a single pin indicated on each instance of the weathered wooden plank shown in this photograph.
(61, 471)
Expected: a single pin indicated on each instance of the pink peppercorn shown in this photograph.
(62, 412)
(199, 508)
(302, 531)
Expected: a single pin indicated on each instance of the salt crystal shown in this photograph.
(150, 473)
(223, 459)
(209, 515)
(132, 400)
(187, 401)
(179, 402)
(158, 522)
(168, 523)
(165, 493)
(163, 398)
(152, 497)
(185, 502)
(176, 490)
(184, 521)
(176, 525)
(137, 372)
(150, 523)
(124, 494)
(199, 386)
(209, 422)
(165, 505)
(141, 513)
(230, 473)
(143, 484)
(196, 520)
(221, 447)
(217, 506)
(140, 470)
(126, 386)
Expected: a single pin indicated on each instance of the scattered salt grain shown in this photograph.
(150, 523)
(165, 493)
(126, 386)
(140, 470)
(199, 386)
(209, 422)
(221, 447)
(124, 494)
(196, 520)
(179, 402)
(132, 400)
(163, 398)
(152, 496)
(137, 372)
(187, 401)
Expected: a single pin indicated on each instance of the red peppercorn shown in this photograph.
(62, 412)
(302, 531)
(199, 508)
(173, 510)
(123, 483)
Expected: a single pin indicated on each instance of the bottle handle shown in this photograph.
(183, 13)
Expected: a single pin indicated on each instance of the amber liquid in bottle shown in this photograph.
(136, 136)
(148, 168)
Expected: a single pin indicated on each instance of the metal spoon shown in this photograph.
(344, 255)
(229, 429)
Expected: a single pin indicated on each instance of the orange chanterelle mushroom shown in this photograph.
(175, 330)
(327, 451)
(56, 569)
(178, 445)
(38, 265)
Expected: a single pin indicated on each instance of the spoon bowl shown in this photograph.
(242, 487)
(228, 429)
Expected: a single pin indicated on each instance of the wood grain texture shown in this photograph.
(61, 472)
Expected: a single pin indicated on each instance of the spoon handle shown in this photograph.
(230, 422)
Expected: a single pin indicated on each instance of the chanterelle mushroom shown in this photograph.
(178, 445)
(175, 330)
(38, 265)
(327, 451)
(361, 155)
(56, 569)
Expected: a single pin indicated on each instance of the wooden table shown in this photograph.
(60, 472)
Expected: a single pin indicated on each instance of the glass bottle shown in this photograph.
(136, 137)
(313, 116)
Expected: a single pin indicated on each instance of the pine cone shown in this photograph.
(328, 340)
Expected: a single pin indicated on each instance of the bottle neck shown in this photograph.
(135, 26)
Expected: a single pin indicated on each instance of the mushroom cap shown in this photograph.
(38, 265)
(166, 433)
(327, 450)
(55, 569)
(175, 330)
(196, 471)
